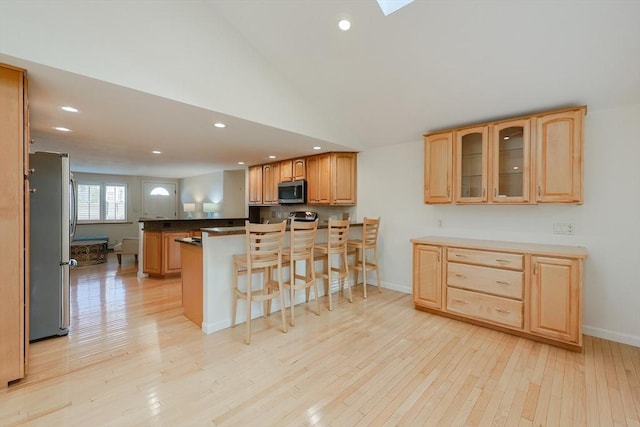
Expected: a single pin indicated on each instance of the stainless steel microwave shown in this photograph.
(294, 192)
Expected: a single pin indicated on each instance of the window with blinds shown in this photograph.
(102, 202)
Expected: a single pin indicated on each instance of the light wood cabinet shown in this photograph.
(471, 154)
(318, 179)
(427, 276)
(293, 170)
(331, 179)
(555, 298)
(559, 157)
(510, 161)
(192, 282)
(343, 178)
(14, 224)
(270, 180)
(438, 168)
(255, 185)
(494, 162)
(152, 248)
(527, 289)
(162, 252)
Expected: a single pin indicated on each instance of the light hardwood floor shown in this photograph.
(133, 359)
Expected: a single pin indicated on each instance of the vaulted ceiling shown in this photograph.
(149, 75)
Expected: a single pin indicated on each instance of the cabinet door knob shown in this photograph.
(502, 310)
(460, 301)
(32, 171)
(503, 260)
(500, 282)
(32, 190)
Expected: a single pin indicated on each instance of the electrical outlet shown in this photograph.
(564, 228)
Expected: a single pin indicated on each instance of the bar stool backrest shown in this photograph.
(264, 244)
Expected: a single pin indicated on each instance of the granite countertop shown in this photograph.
(228, 231)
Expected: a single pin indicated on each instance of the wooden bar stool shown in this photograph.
(337, 235)
(303, 239)
(264, 254)
(369, 240)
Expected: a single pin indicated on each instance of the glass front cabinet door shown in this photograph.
(471, 165)
(510, 162)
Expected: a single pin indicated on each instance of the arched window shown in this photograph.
(159, 191)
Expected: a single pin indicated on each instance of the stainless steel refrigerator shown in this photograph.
(52, 226)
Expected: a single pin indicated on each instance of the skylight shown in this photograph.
(390, 6)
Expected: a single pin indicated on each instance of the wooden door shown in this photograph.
(286, 170)
(171, 250)
(152, 248)
(554, 304)
(343, 179)
(510, 162)
(427, 276)
(13, 226)
(471, 153)
(270, 179)
(299, 169)
(255, 185)
(559, 157)
(438, 152)
(318, 179)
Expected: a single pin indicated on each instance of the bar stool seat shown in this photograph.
(303, 238)
(337, 235)
(263, 255)
(369, 240)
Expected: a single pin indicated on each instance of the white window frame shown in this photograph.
(103, 204)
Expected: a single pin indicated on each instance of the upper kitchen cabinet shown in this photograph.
(270, 180)
(255, 185)
(293, 170)
(494, 162)
(510, 161)
(559, 156)
(471, 151)
(438, 168)
(318, 179)
(331, 179)
(14, 224)
(343, 178)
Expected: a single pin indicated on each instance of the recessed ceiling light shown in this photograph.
(344, 25)
(272, 156)
(69, 109)
(515, 168)
(505, 138)
(317, 147)
(62, 129)
(156, 152)
(220, 125)
(241, 163)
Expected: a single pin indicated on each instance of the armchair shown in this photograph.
(129, 246)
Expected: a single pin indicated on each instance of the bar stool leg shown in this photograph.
(247, 338)
(345, 275)
(234, 307)
(283, 314)
(328, 285)
(375, 255)
(292, 284)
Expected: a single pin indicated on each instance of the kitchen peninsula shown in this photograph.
(218, 245)
(159, 253)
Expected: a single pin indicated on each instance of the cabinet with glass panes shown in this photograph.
(494, 162)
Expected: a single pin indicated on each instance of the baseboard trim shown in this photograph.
(395, 287)
(611, 335)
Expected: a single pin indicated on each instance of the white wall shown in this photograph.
(225, 187)
(607, 224)
(196, 56)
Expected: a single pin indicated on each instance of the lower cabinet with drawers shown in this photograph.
(531, 290)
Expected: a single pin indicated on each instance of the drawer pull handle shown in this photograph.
(500, 282)
(460, 301)
(461, 276)
(503, 311)
(503, 260)
(460, 256)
